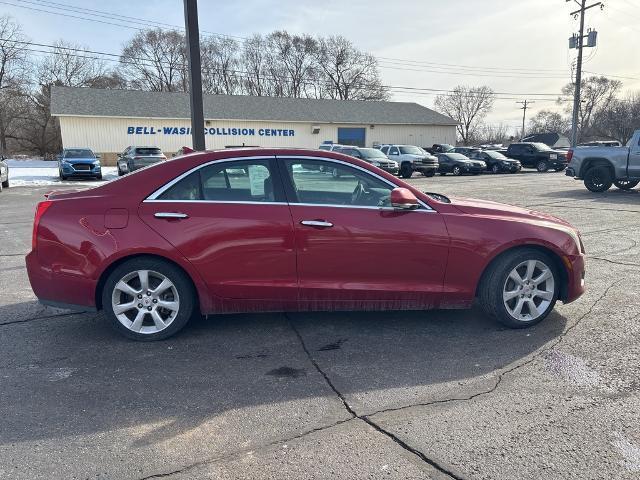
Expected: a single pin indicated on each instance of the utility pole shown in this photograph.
(524, 107)
(579, 45)
(195, 74)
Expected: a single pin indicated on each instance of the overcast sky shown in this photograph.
(514, 46)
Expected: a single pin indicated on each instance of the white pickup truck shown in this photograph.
(601, 167)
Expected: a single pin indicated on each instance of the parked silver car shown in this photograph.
(134, 158)
(4, 174)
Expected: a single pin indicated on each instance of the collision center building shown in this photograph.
(108, 121)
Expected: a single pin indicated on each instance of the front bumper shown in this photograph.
(391, 170)
(421, 167)
(81, 170)
(575, 268)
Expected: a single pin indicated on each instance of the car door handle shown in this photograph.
(170, 215)
(316, 223)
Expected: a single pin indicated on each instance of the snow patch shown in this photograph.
(33, 173)
(628, 451)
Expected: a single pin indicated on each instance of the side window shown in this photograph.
(385, 150)
(394, 151)
(321, 182)
(241, 181)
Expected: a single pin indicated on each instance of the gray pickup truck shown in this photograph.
(601, 167)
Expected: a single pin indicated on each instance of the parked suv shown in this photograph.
(538, 155)
(373, 156)
(411, 159)
(134, 158)
(79, 163)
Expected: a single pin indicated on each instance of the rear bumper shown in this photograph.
(60, 289)
(575, 268)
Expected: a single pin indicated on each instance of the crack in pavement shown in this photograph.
(366, 418)
(12, 254)
(515, 367)
(237, 453)
(46, 317)
(615, 262)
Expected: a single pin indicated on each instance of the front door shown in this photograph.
(231, 221)
(353, 250)
(634, 158)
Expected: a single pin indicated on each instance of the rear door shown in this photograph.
(229, 218)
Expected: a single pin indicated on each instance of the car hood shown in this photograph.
(473, 206)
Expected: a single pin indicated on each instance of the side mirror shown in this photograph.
(403, 199)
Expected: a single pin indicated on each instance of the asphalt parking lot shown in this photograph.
(440, 394)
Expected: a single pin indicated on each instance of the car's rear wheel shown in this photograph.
(542, 166)
(626, 184)
(457, 171)
(406, 171)
(148, 299)
(598, 179)
(520, 289)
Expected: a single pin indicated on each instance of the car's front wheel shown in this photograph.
(598, 179)
(542, 166)
(457, 171)
(5, 184)
(495, 168)
(521, 288)
(406, 170)
(148, 299)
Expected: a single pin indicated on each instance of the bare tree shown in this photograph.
(546, 121)
(597, 94)
(13, 78)
(468, 106)
(492, 134)
(620, 118)
(255, 63)
(220, 65)
(294, 59)
(155, 60)
(347, 73)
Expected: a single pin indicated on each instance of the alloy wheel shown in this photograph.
(529, 290)
(145, 301)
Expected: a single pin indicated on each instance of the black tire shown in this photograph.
(5, 184)
(429, 173)
(186, 293)
(542, 166)
(406, 170)
(490, 291)
(120, 171)
(626, 184)
(63, 177)
(598, 179)
(457, 171)
(561, 169)
(99, 177)
(1, 186)
(496, 168)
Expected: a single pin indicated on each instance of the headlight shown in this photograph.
(553, 156)
(375, 163)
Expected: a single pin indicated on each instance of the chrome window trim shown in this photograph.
(333, 160)
(154, 196)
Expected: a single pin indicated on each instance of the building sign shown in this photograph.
(234, 132)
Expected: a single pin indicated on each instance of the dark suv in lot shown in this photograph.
(134, 158)
(373, 156)
(538, 156)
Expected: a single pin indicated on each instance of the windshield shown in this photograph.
(496, 155)
(542, 146)
(411, 150)
(148, 151)
(446, 147)
(372, 153)
(78, 153)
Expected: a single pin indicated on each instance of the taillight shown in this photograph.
(40, 209)
(569, 155)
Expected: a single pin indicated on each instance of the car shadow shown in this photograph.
(72, 375)
(582, 195)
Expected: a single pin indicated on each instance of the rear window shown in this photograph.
(148, 151)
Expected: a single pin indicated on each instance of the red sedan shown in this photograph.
(268, 230)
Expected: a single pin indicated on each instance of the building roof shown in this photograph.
(95, 102)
